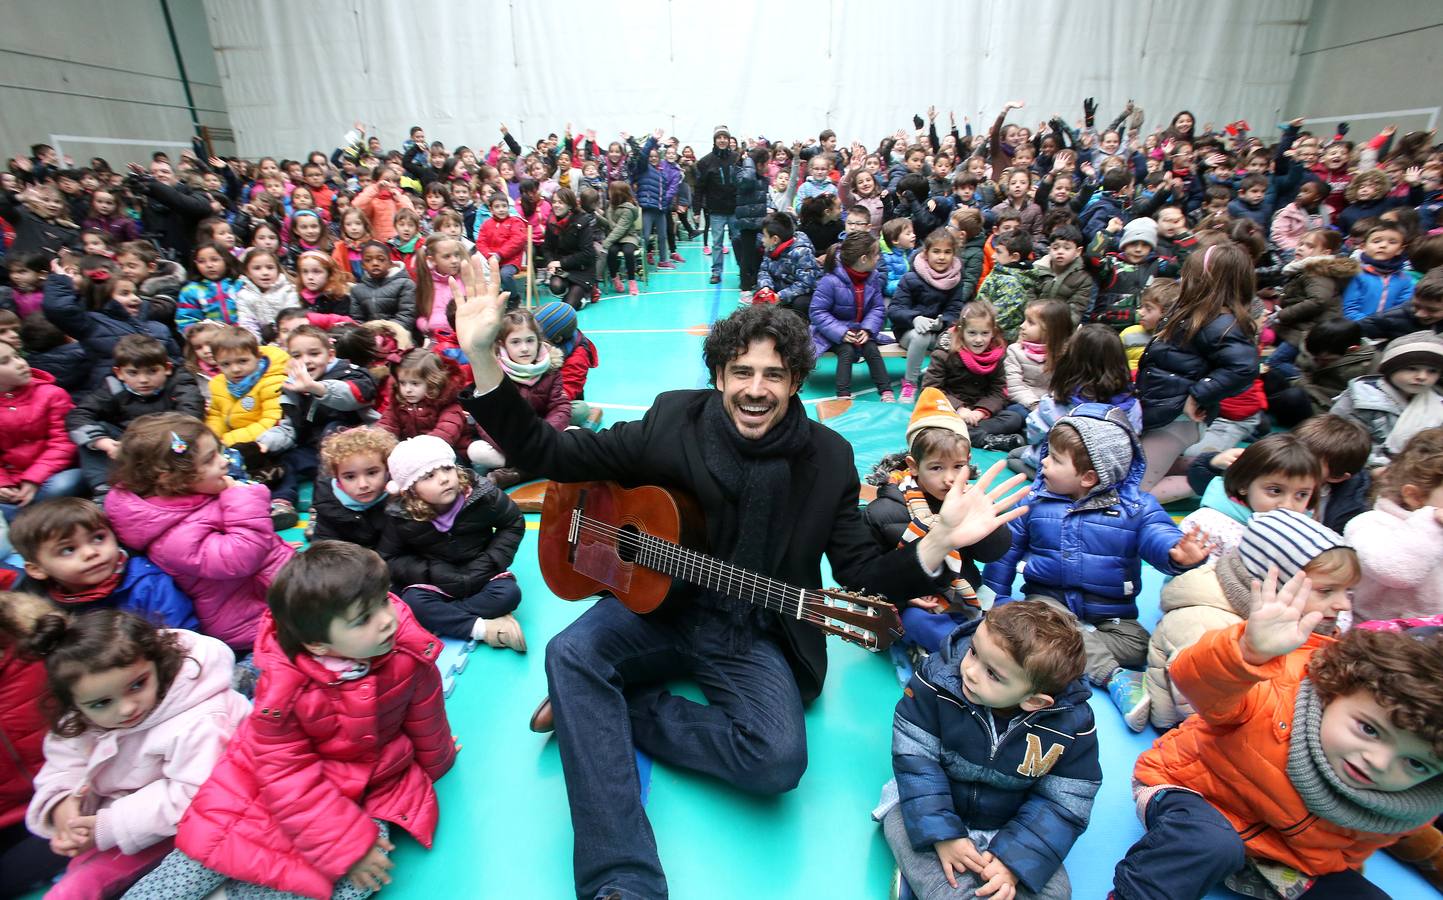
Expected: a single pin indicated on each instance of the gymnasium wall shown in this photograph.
(296, 75)
(104, 70)
(1376, 63)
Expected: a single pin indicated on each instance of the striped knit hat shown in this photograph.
(1285, 539)
(557, 321)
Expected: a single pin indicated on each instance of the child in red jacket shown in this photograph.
(423, 401)
(37, 457)
(504, 237)
(347, 739)
(574, 355)
(26, 861)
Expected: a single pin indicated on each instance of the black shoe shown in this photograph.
(543, 720)
(715, 279)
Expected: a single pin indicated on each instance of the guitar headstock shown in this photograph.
(865, 620)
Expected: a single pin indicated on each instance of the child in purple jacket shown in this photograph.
(848, 311)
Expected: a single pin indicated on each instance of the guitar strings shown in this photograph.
(666, 550)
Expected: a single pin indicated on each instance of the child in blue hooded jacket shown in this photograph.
(1088, 528)
(995, 754)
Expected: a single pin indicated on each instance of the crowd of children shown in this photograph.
(189, 351)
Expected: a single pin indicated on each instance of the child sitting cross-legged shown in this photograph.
(938, 453)
(1219, 594)
(142, 381)
(449, 539)
(350, 499)
(972, 375)
(1301, 761)
(995, 754)
(139, 715)
(1088, 528)
(72, 556)
(346, 741)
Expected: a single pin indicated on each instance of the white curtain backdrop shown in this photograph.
(296, 75)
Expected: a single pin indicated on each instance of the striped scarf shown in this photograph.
(959, 593)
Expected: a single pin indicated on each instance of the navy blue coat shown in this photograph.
(1088, 553)
(956, 773)
(1218, 362)
(98, 331)
(751, 206)
(915, 297)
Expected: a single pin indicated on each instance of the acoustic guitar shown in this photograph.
(597, 536)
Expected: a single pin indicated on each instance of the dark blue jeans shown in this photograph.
(454, 616)
(1282, 359)
(301, 463)
(606, 675)
(1190, 848)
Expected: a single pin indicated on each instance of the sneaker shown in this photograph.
(909, 392)
(715, 279)
(616, 284)
(677, 257)
(650, 258)
(666, 264)
(1002, 442)
(887, 396)
(596, 293)
(1130, 697)
(631, 288)
(706, 251)
(283, 515)
(744, 298)
(724, 250)
(844, 395)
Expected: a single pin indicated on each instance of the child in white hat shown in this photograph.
(448, 541)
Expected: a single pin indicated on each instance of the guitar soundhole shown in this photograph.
(627, 543)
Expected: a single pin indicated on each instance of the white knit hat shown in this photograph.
(1286, 539)
(415, 458)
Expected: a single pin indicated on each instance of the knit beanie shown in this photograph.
(1143, 229)
(1285, 539)
(557, 321)
(415, 458)
(933, 411)
(1109, 444)
(1421, 348)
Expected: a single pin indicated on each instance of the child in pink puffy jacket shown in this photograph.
(1400, 540)
(346, 741)
(174, 503)
(141, 717)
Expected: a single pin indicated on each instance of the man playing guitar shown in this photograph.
(778, 491)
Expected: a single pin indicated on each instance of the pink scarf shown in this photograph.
(984, 363)
(944, 281)
(1035, 351)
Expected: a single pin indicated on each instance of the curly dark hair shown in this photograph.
(730, 338)
(1402, 672)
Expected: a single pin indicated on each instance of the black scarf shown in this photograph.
(755, 476)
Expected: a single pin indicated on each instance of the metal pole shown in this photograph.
(180, 64)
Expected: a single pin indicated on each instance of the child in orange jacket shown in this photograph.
(1305, 756)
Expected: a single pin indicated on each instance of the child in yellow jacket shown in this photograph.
(245, 399)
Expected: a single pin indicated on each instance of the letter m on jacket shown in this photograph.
(1036, 763)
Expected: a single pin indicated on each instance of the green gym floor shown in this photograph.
(505, 830)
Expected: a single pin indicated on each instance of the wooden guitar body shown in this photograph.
(634, 543)
(595, 563)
